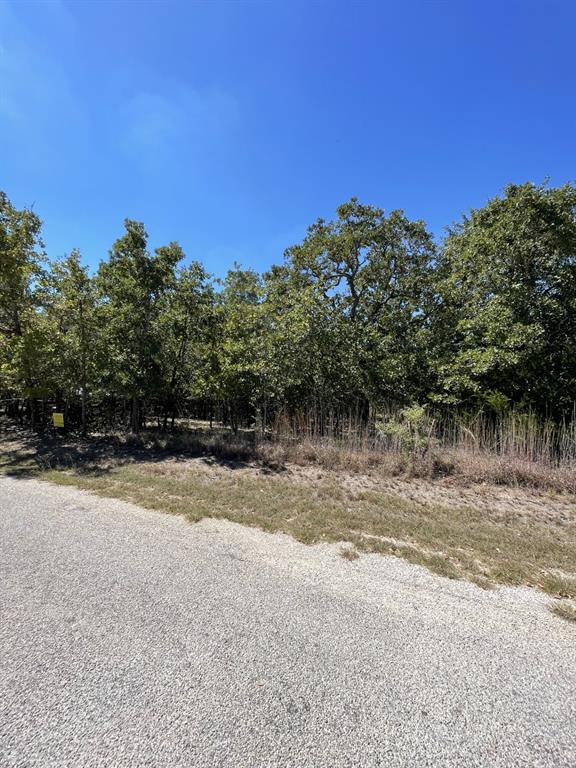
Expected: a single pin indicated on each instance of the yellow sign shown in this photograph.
(58, 419)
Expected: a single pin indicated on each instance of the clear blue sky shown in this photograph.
(232, 126)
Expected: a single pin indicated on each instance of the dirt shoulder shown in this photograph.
(485, 533)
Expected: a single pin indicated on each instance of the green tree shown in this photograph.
(185, 323)
(506, 320)
(241, 366)
(22, 359)
(374, 271)
(73, 311)
(133, 284)
(298, 342)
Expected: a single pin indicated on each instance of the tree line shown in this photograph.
(368, 310)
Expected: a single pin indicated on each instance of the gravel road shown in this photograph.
(132, 638)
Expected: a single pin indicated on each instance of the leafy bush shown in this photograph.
(411, 432)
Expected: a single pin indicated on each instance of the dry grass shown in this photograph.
(565, 610)
(453, 541)
(463, 466)
(349, 553)
(487, 534)
(510, 470)
(558, 584)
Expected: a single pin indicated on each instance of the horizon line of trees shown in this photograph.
(366, 311)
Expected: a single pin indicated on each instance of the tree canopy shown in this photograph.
(367, 310)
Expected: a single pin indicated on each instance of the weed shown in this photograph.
(565, 610)
(559, 585)
(349, 553)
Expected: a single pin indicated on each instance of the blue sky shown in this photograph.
(232, 126)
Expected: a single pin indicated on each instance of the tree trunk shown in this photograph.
(83, 411)
(84, 367)
(135, 415)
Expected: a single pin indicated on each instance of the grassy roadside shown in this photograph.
(480, 543)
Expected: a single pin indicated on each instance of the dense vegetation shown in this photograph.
(366, 312)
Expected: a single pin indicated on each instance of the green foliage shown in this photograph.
(373, 275)
(23, 365)
(366, 311)
(412, 431)
(506, 319)
(497, 401)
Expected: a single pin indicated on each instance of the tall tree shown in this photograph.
(133, 283)
(21, 267)
(185, 323)
(73, 310)
(374, 271)
(506, 322)
(241, 329)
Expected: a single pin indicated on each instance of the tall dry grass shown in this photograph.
(514, 433)
(514, 448)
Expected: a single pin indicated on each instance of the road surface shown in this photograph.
(132, 638)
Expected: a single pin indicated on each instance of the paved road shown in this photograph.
(131, 638)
